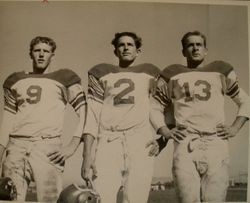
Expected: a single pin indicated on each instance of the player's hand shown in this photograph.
(177, 133)
(88, 172)
(154, 149)
(226, 132)
(58, 156)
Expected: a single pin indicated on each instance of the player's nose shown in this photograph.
(41, 53)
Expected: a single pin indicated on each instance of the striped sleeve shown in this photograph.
(10, 103)
(76, 96)
(159, 102)
(95, 102)
(232, 85)
(238, 95)
(95, 89)
(161, 92)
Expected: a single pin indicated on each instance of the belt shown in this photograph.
(36, 138)
(201, 133)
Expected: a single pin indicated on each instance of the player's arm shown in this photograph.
(6, 127)
(242, 100)
(77, 100)
(158, 102)
(87, 162)
(95, 103)
(9, 112)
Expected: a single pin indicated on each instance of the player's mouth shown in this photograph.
(196, 55)
(40, 60)
(126, 54)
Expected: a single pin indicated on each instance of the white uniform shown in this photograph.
(37, 103)
(118, 115)
(201, 160)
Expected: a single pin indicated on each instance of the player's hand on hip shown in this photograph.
(58, 156)
(226, 132)
(154, 148)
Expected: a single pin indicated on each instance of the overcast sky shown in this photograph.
(83, 32)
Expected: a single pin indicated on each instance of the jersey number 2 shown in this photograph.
(121, 98)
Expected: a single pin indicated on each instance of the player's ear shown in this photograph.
(183, 52)
(206, 51)
(115, 52)
(31, 56)
(52, 56)
(138, 51)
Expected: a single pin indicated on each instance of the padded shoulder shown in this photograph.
(102, 69)
(172, 70)
(219, 66)
(65, 76)
(147, 68)
(13, 78)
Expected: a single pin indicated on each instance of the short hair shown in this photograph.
(196, 33)
(40, 39)
(137, 39)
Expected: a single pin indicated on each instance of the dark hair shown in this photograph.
(40, 39)
(196, 33)
(137, 39)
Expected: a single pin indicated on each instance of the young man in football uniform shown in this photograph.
(32, 123)
(201, 158)
(118, 116)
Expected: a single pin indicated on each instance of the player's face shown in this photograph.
(41, 55)
(126, 49)
(195, 49)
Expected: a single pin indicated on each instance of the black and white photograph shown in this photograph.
(124, 101)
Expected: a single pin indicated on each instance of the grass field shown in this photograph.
(233, 195)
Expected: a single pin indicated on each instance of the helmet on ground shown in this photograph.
(7, 189)
(79, 194)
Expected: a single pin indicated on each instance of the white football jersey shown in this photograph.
(39, 100)
(118, 98)
(198, 94)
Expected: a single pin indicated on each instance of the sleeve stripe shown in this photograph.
(235, 94)
(9, 110)
(97, 95)
(80, 100)
(97, 87)
(159, 100)
(79, 95)
(10, 106)
(95, 99)
(232, 86)
(233, 90)
(160, 97)
(9, 102)
(79, 106)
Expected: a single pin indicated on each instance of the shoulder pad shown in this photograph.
(219, 66)
(102, 69)
(66, 76)
(172, 70)
(147, 68)
(12, 79)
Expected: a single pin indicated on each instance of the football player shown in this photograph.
(32, 124)
(201, 158)
(118, 117)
